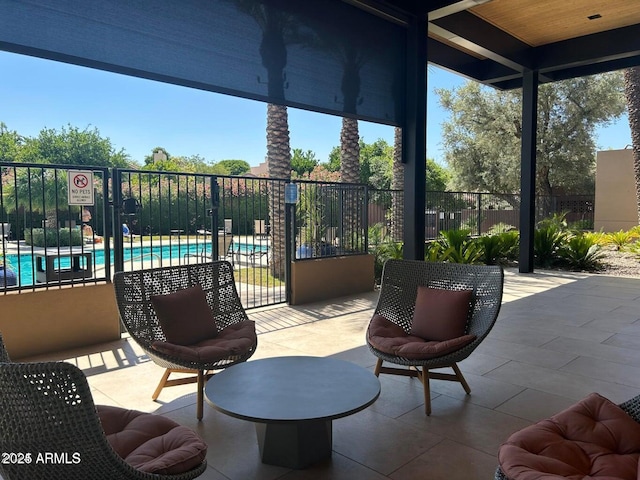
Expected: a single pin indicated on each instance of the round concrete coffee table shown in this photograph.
(292, 401)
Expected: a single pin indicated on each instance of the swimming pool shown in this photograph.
(24, 267)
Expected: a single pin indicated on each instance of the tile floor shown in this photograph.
(558, 337)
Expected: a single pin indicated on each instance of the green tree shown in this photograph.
(10, 144)
(438, 177)
(235, 167)
(303, 162)
(72, 146)
(333, 163)
(482, 138)
(376, 164)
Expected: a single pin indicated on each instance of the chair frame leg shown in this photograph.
(200, 396)
(198, 376)
(424, 375)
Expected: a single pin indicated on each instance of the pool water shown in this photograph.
(25, 267)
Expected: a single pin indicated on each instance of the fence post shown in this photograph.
(479, 214)
(118, 252)
(105, 208)
(213, 212)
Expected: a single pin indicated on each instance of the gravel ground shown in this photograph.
(620, 263)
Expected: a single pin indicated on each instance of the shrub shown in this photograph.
(433, 252)
(581, 252)
(491, 249)
(620, 239)
(383, 252)
(457, 247)
(62, 237)
(599, 238)
(557, 220)
(581, 225)
(510, 244)
(500, 228)
(546, 243)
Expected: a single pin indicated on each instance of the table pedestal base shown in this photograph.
(294, 445)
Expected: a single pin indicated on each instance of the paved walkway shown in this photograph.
(559, 336)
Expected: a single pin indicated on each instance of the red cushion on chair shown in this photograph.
(151, 443)
(440, 314)
(235, 340)
(388, 337)
(593, 438)
(185, 316)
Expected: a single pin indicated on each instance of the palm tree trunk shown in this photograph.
(397, 183)
(279, 164)
(632, 93)
(349, 151)
(350, 173)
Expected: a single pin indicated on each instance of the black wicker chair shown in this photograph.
(631, 407)
(134, 291)
(4, 355)
(400, 282)
(50, 428)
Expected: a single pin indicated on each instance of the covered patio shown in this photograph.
(559, 336)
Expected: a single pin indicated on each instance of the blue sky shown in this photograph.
(139, 115)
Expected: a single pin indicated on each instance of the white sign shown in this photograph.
(80, 191)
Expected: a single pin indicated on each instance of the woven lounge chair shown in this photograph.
(236, 333)
(4, 355)
(395, 312)
(50, 429)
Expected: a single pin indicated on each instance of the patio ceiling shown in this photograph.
(495, 41)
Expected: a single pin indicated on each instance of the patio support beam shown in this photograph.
(414, 138)
(528, 169)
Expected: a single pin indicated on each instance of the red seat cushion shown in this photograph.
(390, 338)
(235, 340)
(151, 443)
(592, 439)
(440, 314)
(185, 316)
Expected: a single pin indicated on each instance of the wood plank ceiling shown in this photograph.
(495, 41)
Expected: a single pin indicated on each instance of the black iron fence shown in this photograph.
(479, 212)
(63, 225)
(138, 219)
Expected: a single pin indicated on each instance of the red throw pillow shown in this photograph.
(185, 316)
(440, 314)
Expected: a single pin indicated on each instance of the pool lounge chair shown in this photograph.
(5, 231)
(225, 249)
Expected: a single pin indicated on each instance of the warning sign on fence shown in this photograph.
(80, 191)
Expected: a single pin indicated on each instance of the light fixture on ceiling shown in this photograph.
(455, 8)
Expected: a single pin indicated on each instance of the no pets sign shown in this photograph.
(80, 191)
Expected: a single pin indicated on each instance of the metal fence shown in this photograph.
(330, 220)
(144, 219)
(45, 241)
(479, 212)
(141, 219)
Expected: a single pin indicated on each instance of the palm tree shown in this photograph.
(349, 151)
(279, 165)
(279, 29)
(632, 93)
(397, 183)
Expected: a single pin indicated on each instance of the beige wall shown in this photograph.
(324, 278)
(34, 323)
(615, 203)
